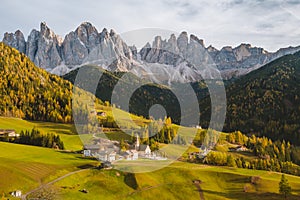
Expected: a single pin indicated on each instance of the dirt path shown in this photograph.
(197, 184)
(24, 197)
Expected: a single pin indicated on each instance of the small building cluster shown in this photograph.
(104, 150)
(108, 151)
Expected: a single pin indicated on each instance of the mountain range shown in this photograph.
(178, 59)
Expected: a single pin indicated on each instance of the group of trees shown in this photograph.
(36, 138)
(165, 132)
(277, 156)
(265, 148)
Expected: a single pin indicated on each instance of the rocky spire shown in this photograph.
(15, 40)
(48, 50)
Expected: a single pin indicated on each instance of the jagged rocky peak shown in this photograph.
(88, 34)
(104, 34)
(210, 48)
(242, 51)
(46, 31)
(169, 52)
(182, 42)
(79, 43)
(227, 48)
(194, 38)
(32, 44)
(48, 49)
(15, 40)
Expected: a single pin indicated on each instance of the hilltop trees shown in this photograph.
(284, 187)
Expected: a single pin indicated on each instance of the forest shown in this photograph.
(29, 92)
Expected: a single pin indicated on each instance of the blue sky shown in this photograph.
(271, 24)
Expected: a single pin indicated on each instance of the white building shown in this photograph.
(16, 193)
(130, 155)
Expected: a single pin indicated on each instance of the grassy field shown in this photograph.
(175, 182)
(25, 167)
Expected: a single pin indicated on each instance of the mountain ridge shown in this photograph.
(86, 45)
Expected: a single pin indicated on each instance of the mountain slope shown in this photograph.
(265, 101)
(29, 92)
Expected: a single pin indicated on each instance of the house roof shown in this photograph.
(91, 147)
(143, 147)
(7, 130)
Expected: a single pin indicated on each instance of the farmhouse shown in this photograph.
(241, 148)
(8, 133)
(130, 155)
(203, 152)
(16, 193)
(107, 155)
(101, 114)
(104, 150)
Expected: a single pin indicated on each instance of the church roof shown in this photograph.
(143, 147)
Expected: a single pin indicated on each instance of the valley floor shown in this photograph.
(34, 166)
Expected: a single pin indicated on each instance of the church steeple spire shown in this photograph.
(137, 144)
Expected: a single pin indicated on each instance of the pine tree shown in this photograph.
(284, 187)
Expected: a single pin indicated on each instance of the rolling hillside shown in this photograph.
(177, 181)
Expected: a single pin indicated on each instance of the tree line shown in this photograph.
(36, 138)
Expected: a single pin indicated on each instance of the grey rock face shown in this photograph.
(15, 40)
(83, 45)
(32, 44)
(47, 54)
(230, 61)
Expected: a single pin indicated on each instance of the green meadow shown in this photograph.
(175, 182)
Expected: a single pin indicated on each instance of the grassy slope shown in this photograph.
(33, 165)
(175, 182)
(66, 131)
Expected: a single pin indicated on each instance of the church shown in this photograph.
(142, 149)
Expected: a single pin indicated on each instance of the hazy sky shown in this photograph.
(266, 23)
